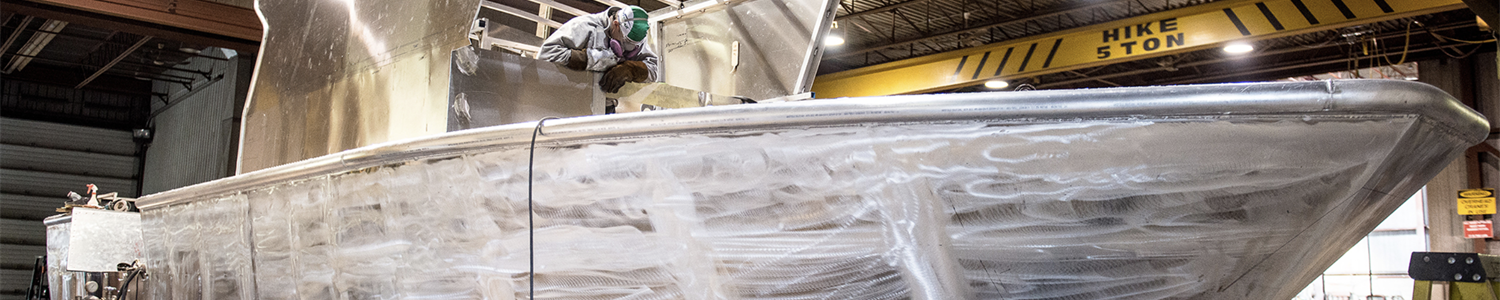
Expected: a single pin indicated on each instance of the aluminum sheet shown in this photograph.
(338, 75)
(61, 283)
(760, 49)
(100, 240)
(490, 88)
(1234, 191)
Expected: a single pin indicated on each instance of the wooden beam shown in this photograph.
(196, 15)
(136, 26)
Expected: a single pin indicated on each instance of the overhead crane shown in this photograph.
(1154, 35)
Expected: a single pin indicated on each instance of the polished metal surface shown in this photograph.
(495, 88)
(1224, 99)
(334, 75)
(100, 240)
(757, 48)
(1234, 191)
(61, 283)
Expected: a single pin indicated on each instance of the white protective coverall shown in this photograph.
(587, 33)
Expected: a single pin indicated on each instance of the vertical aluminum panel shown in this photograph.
(759, 48)
(495, 88)
(336, 75)
(195, 135)
(100, 240)
(61, 283)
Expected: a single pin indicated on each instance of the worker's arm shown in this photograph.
(643, 67)
(653, 63)
(568, 45)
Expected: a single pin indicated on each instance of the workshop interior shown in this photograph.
(749, 149)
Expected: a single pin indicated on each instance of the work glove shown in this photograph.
(577, 60)
(628, 71)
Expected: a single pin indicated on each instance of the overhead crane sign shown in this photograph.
(1174, 31)
(1476, 201)
(1146, 39)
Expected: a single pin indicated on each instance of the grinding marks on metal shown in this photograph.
(1234, 191)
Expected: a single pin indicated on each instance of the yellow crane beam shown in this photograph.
(1164, 33)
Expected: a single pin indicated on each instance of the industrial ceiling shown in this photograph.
(1299, 37)
(62, 63)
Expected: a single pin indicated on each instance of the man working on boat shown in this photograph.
(611, 42)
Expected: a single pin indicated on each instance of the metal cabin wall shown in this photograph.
(338, 75)
(39, 163)
(197, 129)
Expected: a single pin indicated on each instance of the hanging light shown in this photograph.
(1238, 48)
(835, 36)
(833, 41)
(996, 84)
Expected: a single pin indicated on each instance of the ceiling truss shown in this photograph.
(882, 31)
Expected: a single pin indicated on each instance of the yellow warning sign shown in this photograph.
(1157, 34)
(1476, 201)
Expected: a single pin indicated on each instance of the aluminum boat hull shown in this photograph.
(1234, 191)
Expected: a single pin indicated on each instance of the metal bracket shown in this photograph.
(1458, 267)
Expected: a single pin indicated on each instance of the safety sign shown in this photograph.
(1476, 201)
(1479, 229)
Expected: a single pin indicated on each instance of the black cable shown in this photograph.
(125, 287)
(530, 222)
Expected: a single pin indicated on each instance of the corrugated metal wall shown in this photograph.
(21, 246)
(40, 162)
(197, 132)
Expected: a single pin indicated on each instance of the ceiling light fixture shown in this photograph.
(996, 84)
(833, 41)
(835, 35)
(1238, 48)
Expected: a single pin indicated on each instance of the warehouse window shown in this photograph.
(1375, 268)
